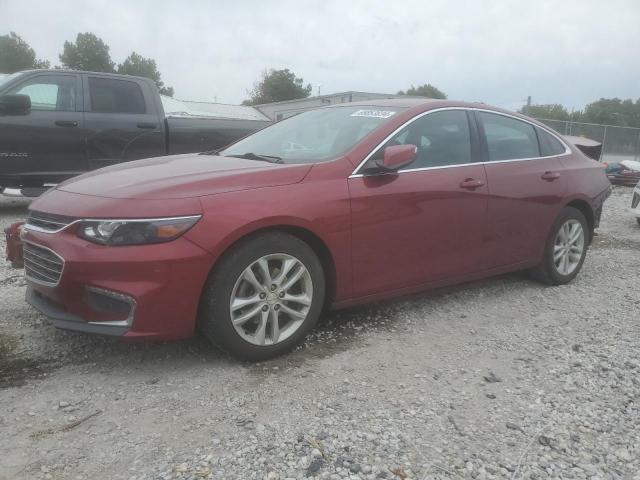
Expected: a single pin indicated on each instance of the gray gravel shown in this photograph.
(502, 378)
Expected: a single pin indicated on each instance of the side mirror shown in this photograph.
(396, 157)
(15, 104)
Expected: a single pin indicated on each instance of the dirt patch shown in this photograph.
(16, 370)
(607, 241)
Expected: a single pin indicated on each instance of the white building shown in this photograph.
(267, 111)
(180, 108)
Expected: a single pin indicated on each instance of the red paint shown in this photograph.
(405, 231)
(398, 156)
(14, 244)
(386, 235)
(522, 206)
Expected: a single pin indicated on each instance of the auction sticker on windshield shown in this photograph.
(373, 113)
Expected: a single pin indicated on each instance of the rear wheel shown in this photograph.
(566, 248)
(264, 297)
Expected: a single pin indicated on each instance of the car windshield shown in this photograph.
(313, 136)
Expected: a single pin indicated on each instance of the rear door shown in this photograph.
(122, 119)
(48, 142)
(424, 224)
(526, 189)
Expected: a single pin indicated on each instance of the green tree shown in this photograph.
(16, 55)
(613, 111)
(87, 53)
(550, 111)
(277, 86)
(136, 64)
(426, 90)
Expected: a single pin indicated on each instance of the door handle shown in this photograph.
(149, 126)
(66, 123)
(471, 183)
(550, 176)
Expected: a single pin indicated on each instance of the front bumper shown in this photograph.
(69, 321)
(137, 292)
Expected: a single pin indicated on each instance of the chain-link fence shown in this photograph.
(618, 143)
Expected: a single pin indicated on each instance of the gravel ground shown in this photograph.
(502, 378)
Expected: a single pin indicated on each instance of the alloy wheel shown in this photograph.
(568, 247)
(271, 299)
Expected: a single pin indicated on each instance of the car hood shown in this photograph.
(182, 176)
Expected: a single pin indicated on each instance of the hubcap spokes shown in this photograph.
(271, 299)
(568, 247)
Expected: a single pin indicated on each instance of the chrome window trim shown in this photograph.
(567, 150)
(40, 282)
(35, 228)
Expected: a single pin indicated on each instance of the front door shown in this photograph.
(425, 223)
(48, 142)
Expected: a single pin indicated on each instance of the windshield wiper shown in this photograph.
(215, 151)
(263, 158)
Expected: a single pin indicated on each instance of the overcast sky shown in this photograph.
(495, 51)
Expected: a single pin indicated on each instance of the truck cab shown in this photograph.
(71, 122)
(56, 124)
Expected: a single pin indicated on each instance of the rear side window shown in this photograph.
(442, 139)
(115, 96)
(508, 138)
(549, 145)
(50, 92)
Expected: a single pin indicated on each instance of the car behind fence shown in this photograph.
(618, 143)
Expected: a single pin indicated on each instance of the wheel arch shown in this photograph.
(311, 238)
(585, 208)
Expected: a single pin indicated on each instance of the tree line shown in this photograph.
(607, 111)
(88, 52)
(91, 53)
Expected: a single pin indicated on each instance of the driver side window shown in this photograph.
(442, 139)
(50, 92)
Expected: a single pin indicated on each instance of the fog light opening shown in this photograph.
(107, 301)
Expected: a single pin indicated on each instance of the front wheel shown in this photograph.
(565, 249)
(264, 297)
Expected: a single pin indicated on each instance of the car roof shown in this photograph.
(417, 102)
(407, 102)
(422, 104)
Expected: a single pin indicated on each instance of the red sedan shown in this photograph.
(334, 207)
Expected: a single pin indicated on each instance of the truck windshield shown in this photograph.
(313, 136)
(4, 79)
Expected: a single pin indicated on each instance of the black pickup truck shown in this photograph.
(55, 124)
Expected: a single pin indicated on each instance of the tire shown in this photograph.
(229, 280)
(548, 271)
(638, 220)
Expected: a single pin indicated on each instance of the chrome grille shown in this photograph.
(42, 265)
(47, 222)
(636, 200)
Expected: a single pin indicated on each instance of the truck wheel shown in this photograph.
(565, 249)
(264, 297)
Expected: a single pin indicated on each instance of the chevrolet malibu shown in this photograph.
(334, 207)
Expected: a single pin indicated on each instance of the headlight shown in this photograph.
(135, 232)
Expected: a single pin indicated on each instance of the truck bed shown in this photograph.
(188, 134)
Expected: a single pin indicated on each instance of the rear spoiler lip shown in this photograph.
(591, 148)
